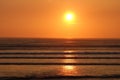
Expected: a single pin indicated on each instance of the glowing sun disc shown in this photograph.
(69, 17)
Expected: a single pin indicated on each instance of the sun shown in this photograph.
(69, 17)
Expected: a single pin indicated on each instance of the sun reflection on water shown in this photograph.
(69, 67)
(68, 51)
(68, 70)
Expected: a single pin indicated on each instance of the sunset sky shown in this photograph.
(50, 18)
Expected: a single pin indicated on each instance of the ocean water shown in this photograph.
(92, 59)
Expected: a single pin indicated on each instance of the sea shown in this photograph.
(59, 59)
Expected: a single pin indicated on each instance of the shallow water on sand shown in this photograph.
(55, 64)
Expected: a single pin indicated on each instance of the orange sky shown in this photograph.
(45, 18)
